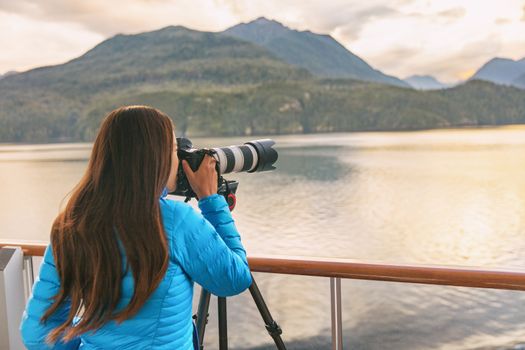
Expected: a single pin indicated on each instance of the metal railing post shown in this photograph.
(29, 277)
(336, 313)
(11, 297)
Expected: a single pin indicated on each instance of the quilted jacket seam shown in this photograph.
(172, 239)
(175, 228)
(161, 309)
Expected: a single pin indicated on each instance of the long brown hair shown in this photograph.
(115, 206)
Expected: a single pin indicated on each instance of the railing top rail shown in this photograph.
(30, 248)
(353, 269)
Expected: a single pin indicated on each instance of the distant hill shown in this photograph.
(425, 82)
(519, 81)
(11, 72)
(502, 71)
(215, 84)
(322, 55)
(334, 105)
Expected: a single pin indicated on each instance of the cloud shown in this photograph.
(453, 13)
(350, 22)
(469, 58)
(501, 21)
(52, 9)
(448, 15)
(117, 16)
(324, 17)
(33, 43)
(352, 18)
(395, 56)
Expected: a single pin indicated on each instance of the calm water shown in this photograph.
(454, 197)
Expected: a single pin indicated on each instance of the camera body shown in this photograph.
(194, 157)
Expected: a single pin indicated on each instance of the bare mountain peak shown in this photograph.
(501, 70)
(504, 60)
(273, 24)
(320, 54)
(425, 82)
(266, 21)
(261, 26)
(177, 28)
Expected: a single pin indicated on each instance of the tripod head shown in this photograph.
(227, 188)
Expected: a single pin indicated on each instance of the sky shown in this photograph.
(444, 38)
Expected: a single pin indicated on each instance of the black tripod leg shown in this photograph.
(202, 315)
(273, 328)
(223, 323)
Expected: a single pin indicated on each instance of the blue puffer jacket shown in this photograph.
(203, 248)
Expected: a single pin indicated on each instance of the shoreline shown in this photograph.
(76, 145)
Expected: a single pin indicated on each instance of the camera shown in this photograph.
(252, 156)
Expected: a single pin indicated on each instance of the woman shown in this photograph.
(120, 268)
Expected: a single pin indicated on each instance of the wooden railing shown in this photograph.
(347, 268)
(336, 269)
(29, 248)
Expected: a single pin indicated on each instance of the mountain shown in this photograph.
(215, 84)
(322, 55)
(11, 72)
(166, 55)
(61, 102)
(519, 81)
(501, 71)
(425, 82)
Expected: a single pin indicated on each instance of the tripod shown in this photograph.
(202, 318)
(204, 302)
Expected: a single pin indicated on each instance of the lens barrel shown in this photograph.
(253, 156)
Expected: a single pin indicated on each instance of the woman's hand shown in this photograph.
(204, 180)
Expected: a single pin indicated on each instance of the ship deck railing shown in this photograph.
(333, 269)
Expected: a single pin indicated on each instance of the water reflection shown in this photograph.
(313, 163)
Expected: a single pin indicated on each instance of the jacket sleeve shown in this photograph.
(46, 286)
(209, 248)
